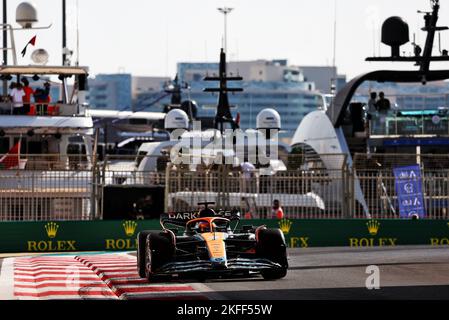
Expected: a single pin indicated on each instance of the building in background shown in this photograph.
(266, 84)
(142, 85)
(324, 77)
(251, 71)
(432, 96)
(110, 91)
(293, 91)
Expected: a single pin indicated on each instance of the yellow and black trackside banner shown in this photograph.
(58, 236)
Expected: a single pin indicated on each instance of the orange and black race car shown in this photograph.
(208, 246)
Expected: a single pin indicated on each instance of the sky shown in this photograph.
(148, 37)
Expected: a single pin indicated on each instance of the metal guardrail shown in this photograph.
(33, 195)
(42, 109)
(380, 194)
(421, 123)
(52, 189)
(301, 194)
(386, 162)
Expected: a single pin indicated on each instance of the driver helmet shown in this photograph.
(215, 226)
(207, 212)
(203, 226)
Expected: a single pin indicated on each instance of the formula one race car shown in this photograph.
(209, 247)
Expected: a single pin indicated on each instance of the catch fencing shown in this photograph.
(302, 194)
(35, 195)
(307, 186)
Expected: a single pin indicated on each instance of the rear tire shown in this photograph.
(141, 240)
(271, 245)
(159, 249)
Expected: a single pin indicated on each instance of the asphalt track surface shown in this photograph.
(419, 272)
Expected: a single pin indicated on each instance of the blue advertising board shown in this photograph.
(408, 183)
(408, 142)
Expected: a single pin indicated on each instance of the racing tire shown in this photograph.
(271, 245)
(141, 240)
(159, 249)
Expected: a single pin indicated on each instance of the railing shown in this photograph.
(410, 123)
(52, 190)
(45, 195)
(301, 194)
(42, 109)
(381, 195)
(52, 162)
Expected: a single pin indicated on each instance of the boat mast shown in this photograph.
(64, 45)
(223, 113)
(430, 27)
(5, 44)
(64, 32)
(395, 34)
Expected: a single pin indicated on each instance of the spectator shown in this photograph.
(248, 174)
(8, 98)
(12, 85)
(372, 105)
(372, 110)
(17, 95)
(383, 104)
(277, 212)
(27, 97)
(42, 98)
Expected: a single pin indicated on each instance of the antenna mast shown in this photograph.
(223, 113)
(334, 65)
(225, 12)
(335, 34)
(5, 44)
(395, 33)
(77, 34)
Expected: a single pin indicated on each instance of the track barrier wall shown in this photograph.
(70, 236)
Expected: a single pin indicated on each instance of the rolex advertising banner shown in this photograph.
(71, 236)
(409, 191)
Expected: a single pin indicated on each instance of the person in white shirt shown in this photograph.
(247, 169)
(372, 103)
(17, 93)
(248, 175)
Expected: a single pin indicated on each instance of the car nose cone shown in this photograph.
(219, 263)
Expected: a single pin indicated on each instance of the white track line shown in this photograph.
(206, 291)
(7, 279)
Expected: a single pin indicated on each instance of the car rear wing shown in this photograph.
(182, 218)
(178, 218)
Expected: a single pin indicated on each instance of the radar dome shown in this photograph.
(40, 56)
(268, 119)
(395, 33)
(26, 15)
(176, 119)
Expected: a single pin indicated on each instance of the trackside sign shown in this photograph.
(65, 236)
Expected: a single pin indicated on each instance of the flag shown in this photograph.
(237, 119)
(32, 42)
(11, 159)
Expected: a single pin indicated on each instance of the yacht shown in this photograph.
(191, 149)
(54, 143)
(385, 138)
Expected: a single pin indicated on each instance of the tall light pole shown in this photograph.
(225, 12)
(334, 63)
(5, 44)
(64, 32)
